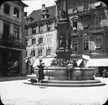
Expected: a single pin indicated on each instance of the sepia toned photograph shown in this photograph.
(54, 52)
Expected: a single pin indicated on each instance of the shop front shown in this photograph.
(99, 65)
(9, 62)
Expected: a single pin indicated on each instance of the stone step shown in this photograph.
(57, 84)
(74, 82)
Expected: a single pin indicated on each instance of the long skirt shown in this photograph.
(41, 74)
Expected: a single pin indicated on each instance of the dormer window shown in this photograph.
(6, 9)
(33, 30)
(44, 12)
(16, 12)
(49, 27)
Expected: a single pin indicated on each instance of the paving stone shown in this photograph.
(44, 102)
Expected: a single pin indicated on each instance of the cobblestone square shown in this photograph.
(18, 93)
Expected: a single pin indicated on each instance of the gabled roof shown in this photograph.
(19, 2)
(36, 14)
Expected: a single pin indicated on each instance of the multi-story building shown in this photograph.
(12, 47)
(89, 35)
(41, 35)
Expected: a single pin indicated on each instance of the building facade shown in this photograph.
(41, 35)
(12, 46)
(89, 24)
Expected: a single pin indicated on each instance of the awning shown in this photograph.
(47, 62)
(86, 57)
(36, 62)
(97, 63)
(97, 3)
(79, 62)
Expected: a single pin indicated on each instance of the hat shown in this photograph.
(40, 60)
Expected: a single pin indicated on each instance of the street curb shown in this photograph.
(13, 78)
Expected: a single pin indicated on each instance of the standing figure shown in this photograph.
(105, 73)
(40, 71)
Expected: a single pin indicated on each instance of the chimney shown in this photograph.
(43, 7)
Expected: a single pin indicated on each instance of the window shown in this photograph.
(40, 41)
(40, 52)
(75, 45)
(33, 30)
(43, 16)
(86, 22)
(29, 42)
(26, 53)
(16, 33)
(33, 41)
(41, 29)
(33, 52)
(29, 31)
(49, 41)
(98, 20)
(6, 8)
(49, 27)
(98, 43)
(74, 24)
(16, 12)
(6, 30)
(86, 4)
(48, 52)
(86, 45)
(74, 8)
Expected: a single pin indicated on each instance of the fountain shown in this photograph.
(63, 52)
(56, 75)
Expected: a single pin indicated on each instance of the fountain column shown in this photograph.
(63, 30)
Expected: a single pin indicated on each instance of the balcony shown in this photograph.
(12, 42)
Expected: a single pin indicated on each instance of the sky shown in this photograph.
(36, 4)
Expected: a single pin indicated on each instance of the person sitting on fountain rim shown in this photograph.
(69, 70)
(74, 63)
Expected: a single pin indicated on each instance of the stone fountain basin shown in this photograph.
(56, 73)
(60, 73)
(57, 77)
